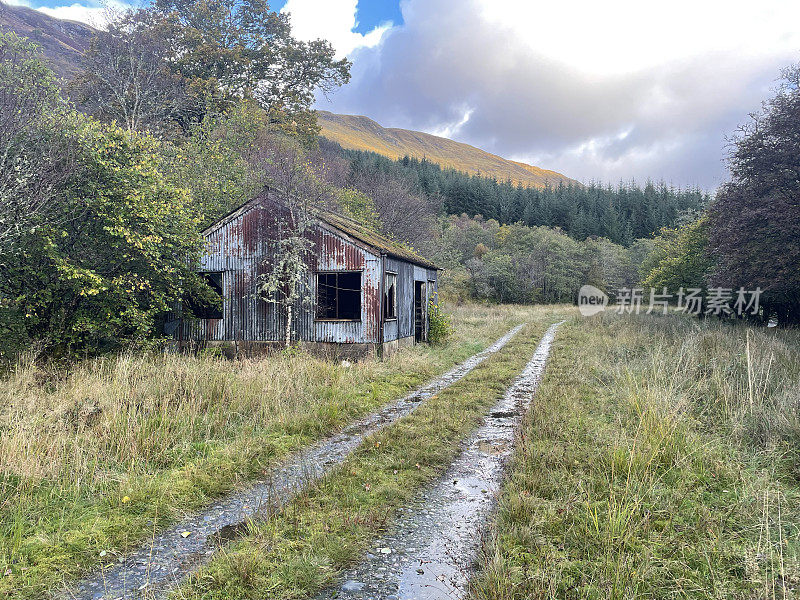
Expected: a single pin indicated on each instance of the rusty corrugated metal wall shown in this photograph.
(407, 274)
(239, 247)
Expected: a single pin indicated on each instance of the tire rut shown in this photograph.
(431, 546)
(160, 565)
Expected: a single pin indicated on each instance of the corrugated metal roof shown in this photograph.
(373, 239)
(344, 224)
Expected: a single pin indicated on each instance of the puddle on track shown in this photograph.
(430, 548)
(159, 565)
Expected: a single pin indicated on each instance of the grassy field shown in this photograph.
(304, 547)
(660, 459)
(95, 458)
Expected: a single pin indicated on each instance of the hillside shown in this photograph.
(63, 42)
(362, 133)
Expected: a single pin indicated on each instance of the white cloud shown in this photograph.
(453, 128)
(598, 90)
(95, 15)
(332, 20)
(623, 36)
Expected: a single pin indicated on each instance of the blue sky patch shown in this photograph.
(371, 13)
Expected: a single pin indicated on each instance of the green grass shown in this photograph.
(660, 459)
(97, 457)
(304, 547)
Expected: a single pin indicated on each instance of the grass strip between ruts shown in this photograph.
(301, 549)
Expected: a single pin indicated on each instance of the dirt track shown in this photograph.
(429, 551)
(158, 566)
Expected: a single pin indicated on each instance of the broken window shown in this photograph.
(339, 295)
(210, 305)
(390, 296)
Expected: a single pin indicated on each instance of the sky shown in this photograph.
(600, 91)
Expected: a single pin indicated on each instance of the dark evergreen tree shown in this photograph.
(621, 214)
(755, 221)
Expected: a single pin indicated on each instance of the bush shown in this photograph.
(440, 324)
(117, 253)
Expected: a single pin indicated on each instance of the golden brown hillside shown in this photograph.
(362, 133)
(63, 42)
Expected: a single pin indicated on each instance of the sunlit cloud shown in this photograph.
(95, 14)
(332, 20)
(556, 84)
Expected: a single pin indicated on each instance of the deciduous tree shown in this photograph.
(120, 251)
(177, 60)
(128, 77)
(34, 152)
(755, 221)
(680, 258)
(300, 192)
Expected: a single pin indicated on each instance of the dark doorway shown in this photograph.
(419, 311)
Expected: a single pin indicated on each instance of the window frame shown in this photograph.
(219, 313)
(386, 288)
(337, 319)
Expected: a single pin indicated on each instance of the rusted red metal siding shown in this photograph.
(239, 247)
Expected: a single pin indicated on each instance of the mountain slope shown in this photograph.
(362, 133)
(63, 42)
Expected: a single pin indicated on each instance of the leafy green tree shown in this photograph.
(34, 158)
(120, 254)
(521, 264)
(242, 49)
(680, 258)
(175, 61)
(755, 220)
(610, 266)
(229, 158)
(358, 206)
(221, 162)
(36, 152)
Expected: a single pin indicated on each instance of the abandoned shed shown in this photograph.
(363, 292)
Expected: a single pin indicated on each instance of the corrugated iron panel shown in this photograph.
(344, 332)
(390, 330)
(334, 253)
(405, 296)
(239, 249)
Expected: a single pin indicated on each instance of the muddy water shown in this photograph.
(155, 568)
(430, 548)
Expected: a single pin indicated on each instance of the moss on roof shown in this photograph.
(344, 224)
(372, 238)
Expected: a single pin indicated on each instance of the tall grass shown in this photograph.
(659, 460)
(304, 548)
(95, 457)
(739, 382)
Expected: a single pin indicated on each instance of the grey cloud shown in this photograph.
(444, 59)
